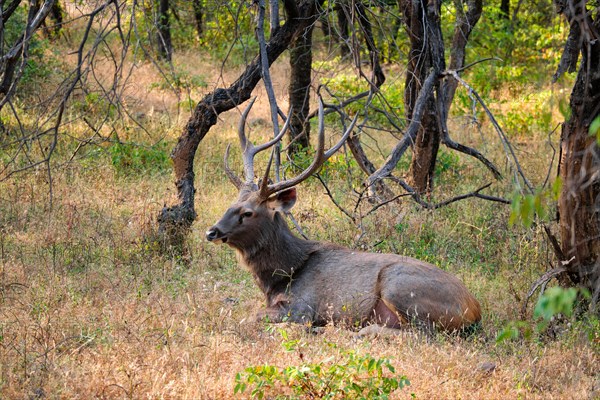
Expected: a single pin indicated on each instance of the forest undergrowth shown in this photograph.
(92, 307)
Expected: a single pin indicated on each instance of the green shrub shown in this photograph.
(390, 98)
(555, 301)
(352, 376)
(127, 158)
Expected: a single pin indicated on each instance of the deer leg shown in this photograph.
(271, 314)
(386, 314)
(376, 330)
(283, 310)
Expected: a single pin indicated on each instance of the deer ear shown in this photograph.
(284, 200)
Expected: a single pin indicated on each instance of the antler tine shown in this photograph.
(264, 183)
(248, 149)
(341, 142)
(319, 159)
(277, 138)
(242, 125)
(237, 182)
(248, 152)
(265, 180)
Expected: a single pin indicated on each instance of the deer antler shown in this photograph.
(321, 156)
(249, 150)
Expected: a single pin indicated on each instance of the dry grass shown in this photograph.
(89, 308)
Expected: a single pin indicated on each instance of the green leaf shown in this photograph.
(528, 210)
(555, 300)
(564, 108)
(556, 188)
(595, 129)
(507, 333)
(515, 209)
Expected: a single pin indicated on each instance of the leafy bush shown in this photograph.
(229, 34)
(127, 158)
(95, 104)
(555, 301)
(351, 377)
(526, 207)
(389, 99)
(531, 46)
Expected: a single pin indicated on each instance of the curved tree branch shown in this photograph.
(175, 220)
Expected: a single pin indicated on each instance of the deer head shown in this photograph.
(259, 205)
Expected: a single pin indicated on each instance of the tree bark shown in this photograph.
(14, 58)
(163, 35)
(299, 90)
(465, 22)
(579, 168)
(421, 20)
(342, 12)
(505, 9)
(175, 221)
(198, 16)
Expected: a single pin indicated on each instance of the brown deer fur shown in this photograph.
(315, 282)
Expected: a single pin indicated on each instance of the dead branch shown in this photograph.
(333, 200)
(179, 218)
(266, 77)
(509, 149)
(448, 142)
(411, 133)
(542, 281)
(429, 206)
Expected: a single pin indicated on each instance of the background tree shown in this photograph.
(163, 33)
(198, 6)
(299, 90)
(16, 43)
(579, 168)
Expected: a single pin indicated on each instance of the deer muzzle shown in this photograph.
(213, 234)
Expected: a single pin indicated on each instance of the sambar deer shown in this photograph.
(314, 282)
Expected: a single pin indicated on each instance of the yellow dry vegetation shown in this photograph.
(89, 308)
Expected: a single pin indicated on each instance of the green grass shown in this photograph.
(91, 308)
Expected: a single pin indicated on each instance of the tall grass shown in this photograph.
(90, 308)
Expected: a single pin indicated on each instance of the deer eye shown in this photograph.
(245, 215)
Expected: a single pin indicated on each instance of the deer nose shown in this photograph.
(212, 234)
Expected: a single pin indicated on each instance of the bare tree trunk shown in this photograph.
(163, 36)
(58, 14)
(579, 169)
(465, 22)
(365, 25)
(325, 26)
(274, 16)
(174, 222)
(418, 19)
(505, 9)
(342, 12)
(299, 90)
(14, 58)
(198, 16)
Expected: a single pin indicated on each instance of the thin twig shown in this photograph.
(543, 280)
(266, 76)
(497, 127)
(330, 195)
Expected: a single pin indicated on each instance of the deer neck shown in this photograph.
(276, 257)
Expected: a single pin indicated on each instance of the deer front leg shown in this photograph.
(281, 309)
(277, 310)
